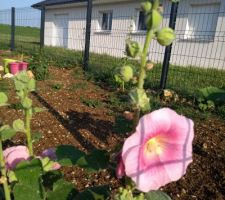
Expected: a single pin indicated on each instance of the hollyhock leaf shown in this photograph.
(62, 190)
(28, 187)
(31, 85)
(18, 125)
(7, 132)
(3, 98)
(94, 161)
(19, 85)
(94, 193)
(157, 195)
(68, 155)
(50, 177)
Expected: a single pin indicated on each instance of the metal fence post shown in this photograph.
(167, 55)
(12, 43)
(88, 35)
(42, 31)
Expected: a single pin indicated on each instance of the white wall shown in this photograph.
(185, 52)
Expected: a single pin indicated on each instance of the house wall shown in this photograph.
(207, 53)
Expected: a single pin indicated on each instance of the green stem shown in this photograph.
(28, 131)
(123, 87)
(3, 173)
(142, 74)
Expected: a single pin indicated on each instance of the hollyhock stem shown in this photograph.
(28, 131)
(142, 74)
(3, 173)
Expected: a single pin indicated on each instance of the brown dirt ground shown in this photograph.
(69, 121)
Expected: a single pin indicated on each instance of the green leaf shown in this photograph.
(157, 195)
(27, 103)
(68, 155)
(50, 177)
(22, 77)
(62, 190)
(28, 174)
(19, 85)
(7, 132)
(214, 94)
(36, 137)
(31, 85)
(94, 193)
(3, 99)
(38, 109)
(94, 161)
(18, 125)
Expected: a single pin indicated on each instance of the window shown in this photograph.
(106, 21)
(141, 26)
(202, 21)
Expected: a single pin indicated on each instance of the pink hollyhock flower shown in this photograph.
(14, 155)
(159, 151)
(49, 153)
(120, 170)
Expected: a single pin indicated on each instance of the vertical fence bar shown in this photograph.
(167, 55)
(88, 35)
(12, 42)
(42, 31)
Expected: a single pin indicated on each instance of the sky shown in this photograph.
(25, 15)
(5, 4)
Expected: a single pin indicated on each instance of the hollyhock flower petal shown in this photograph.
(49, 153)
(159, 151)
(14, 155)
(56, 166)
(120, 170)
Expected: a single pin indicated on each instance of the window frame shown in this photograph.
(100, 21)
(195, 38)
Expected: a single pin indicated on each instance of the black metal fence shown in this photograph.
(197, 55)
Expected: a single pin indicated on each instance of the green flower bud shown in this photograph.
(166, 36)
(146, 7)
(132, 48)
(126, 73)
(154, 20)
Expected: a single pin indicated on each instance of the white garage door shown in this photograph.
(60, 35)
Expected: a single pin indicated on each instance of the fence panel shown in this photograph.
(27, 33)
(5, 29)
(198, 58)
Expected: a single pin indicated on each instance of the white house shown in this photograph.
(200, 29)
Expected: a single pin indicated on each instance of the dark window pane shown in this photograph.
(107, 21)
(141, 22)
(104, 21)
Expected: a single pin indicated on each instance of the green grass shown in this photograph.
(25, 37)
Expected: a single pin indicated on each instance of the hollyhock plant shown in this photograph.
(50, 165)
(159, 151)
(14, 155)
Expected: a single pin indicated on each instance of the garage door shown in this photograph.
(60, 35)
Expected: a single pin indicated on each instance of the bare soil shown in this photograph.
(68, 120)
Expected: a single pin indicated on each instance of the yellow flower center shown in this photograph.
(153, 146)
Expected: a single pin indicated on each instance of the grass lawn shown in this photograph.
(25, 37)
